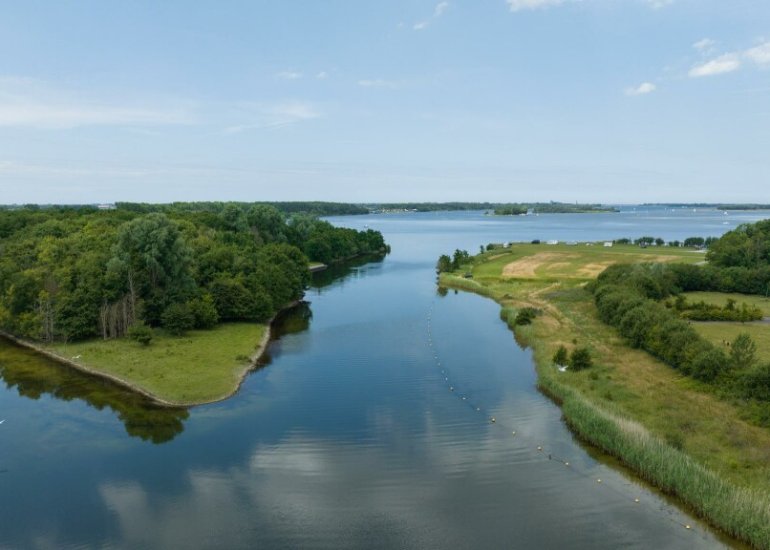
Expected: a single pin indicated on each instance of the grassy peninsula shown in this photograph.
(200, 367)
(681, 433)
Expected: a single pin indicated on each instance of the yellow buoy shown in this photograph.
(598, 481)
(687, 527)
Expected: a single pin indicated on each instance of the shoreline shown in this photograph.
(241, 374)
(737, 511)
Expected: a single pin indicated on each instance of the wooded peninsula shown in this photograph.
(131, 280)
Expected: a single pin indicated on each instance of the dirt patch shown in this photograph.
(525, 267)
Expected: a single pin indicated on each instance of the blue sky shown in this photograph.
(499, 100)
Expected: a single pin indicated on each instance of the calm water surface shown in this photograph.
(350, 435)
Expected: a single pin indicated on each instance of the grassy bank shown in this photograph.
(200, 367)
(673, 431)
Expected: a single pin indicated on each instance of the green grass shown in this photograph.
(719, 333)
(582, 261)
(199, 367)
(672, 430)
(720, 299)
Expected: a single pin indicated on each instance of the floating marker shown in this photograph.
(598, 481)
(687, 527)
(513, 433)
(451, 388)
(478, 408)
(539, 448)
(492, 420)
(636, 500)
(566, 463)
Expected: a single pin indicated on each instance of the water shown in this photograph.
(349, 435)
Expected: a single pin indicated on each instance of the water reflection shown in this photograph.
(33, 377)
(338, 272)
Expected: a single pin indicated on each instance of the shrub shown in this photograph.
(561, 357)
(178, 319)
(140, 332)
(580, 359)
(204, 312)
(525, 316)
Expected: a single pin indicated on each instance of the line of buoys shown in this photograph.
(551, 457)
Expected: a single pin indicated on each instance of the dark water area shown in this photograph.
(352, 434)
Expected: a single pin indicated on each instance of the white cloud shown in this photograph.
(704, 44)
(273, 115)
(642, 89)
(289, 75)
(32, 103)
(438, 11)
(321, 75)
(518, 5)
(726, 63)
(657, 4)
(759, 54)
(377, 83)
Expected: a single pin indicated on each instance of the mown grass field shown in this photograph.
(720, 333)
(202, 366)
(582, 261)
(677, 414)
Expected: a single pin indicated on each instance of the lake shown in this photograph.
(368, 426)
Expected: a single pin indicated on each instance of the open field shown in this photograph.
(582, 261)
(202, 366)
(679, 418)
(721, 332)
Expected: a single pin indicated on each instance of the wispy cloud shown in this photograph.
(438, 11)
(759, 54)
(726, 63)
(377, 83)
(32, 103)
(289, 75)
(704, 45)
(642, 89)
(273, 115)
(658, 4)
(732, 61)
(322, 75)
(519, 5)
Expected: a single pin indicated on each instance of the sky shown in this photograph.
(613, 101)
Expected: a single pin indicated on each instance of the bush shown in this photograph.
(141, 333)
(561, 357)
(178, 319)
(204, 312)
(525, 316)
(580, 359)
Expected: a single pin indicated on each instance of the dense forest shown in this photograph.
(631, 298)
(70, 273)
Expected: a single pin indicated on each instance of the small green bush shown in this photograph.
(525, 316)
(141, 333)
(580, 359)
(561, 356)
(178, 319)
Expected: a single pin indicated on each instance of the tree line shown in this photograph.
(629, 297)
(74, 273)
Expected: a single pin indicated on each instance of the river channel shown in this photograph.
(367, 426)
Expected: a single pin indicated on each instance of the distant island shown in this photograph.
(499, 209)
